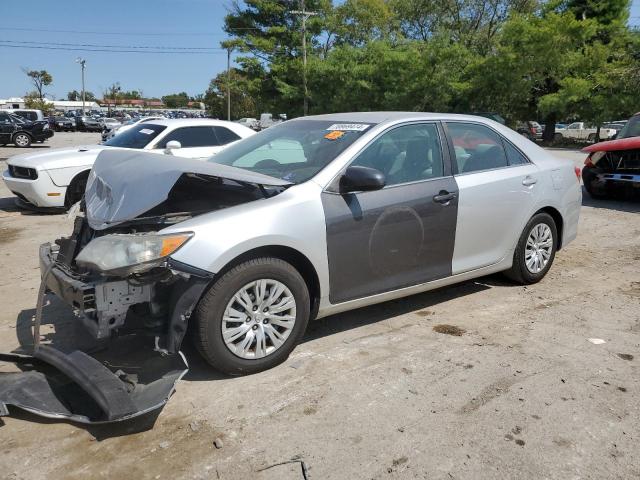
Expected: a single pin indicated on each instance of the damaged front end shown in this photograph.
(116, 272)
(612, 165)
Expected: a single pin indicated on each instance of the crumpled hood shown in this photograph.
(58, 157)
(124, 184)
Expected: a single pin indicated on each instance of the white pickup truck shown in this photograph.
(584, 132)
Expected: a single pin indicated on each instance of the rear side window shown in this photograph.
(190, 137)
(476, 147)
(514, 155)
(28, 115)
(225, 135)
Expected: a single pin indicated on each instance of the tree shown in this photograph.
(111, 95)
(33, 100)
(243, 93)
(176, 100)
(40, 79)
(76, 96)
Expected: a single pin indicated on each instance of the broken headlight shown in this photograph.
(130, 253)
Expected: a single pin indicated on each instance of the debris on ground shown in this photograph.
(449, 330)
(218, 443)
(625, 356)
(596, 341)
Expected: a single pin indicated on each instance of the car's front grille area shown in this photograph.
(23, 172)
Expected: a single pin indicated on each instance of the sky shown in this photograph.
(127, 23)
(131, 23)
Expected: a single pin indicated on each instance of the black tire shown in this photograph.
(594, 191)
(557, 137)
(207, 332)
(76, 189)
(592, 137)
(519, 272)
(22, 140)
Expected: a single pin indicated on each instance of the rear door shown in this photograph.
(497, 189)
(403, 234)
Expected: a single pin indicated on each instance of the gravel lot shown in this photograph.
(377, 393)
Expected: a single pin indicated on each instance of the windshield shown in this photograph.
(138, 136)
(631, 129)
(292, 151)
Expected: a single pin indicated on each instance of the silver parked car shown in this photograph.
(312, 217)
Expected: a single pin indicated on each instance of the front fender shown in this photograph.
(62, 177)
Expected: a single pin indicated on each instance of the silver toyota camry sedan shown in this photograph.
(315, 216)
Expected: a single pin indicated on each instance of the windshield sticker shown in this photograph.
(334, 135)
(349, 127)
(147, 131)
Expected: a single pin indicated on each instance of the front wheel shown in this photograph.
(22, 140)
(252, 317)
(535, 251)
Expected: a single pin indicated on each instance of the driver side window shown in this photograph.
(409, 153)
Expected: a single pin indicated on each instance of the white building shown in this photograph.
(63, 105)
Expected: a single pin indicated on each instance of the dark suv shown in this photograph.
(21, 132)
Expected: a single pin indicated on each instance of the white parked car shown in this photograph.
(57, 177)
(584, 132)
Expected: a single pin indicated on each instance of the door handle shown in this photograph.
(528, 181)
(444, 197)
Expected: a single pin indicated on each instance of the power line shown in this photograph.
(151, 34)
(93, 45)
(80, 49)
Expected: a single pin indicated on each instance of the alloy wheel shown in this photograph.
(538, 248)
(21, 140)
(258, 319)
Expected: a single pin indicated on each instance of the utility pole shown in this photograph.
(82, 62)
(229, 83)
(305, 15)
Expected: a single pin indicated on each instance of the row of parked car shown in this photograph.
(578, 131)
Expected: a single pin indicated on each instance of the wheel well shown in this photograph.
(290, 255)
(26, 133)
(557, 218)
(68, 201)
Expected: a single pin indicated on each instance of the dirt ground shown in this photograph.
(517, 392)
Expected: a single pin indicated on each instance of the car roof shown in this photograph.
(187, 122)
(383, 117)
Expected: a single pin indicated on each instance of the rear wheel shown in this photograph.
(535, 251)
(252, 317)
(22, 140)
(592, 137)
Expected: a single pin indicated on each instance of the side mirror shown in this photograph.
(172, 145)
(361, 179)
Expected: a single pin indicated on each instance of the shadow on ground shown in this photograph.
(623, 202)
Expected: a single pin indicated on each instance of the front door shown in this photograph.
(403, 234)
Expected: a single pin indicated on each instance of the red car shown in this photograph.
(615, 164)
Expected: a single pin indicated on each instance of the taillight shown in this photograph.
(533, 130)
(578, 171)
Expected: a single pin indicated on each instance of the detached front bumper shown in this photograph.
(133, 376)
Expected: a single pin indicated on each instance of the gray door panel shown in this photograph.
(388, 239)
